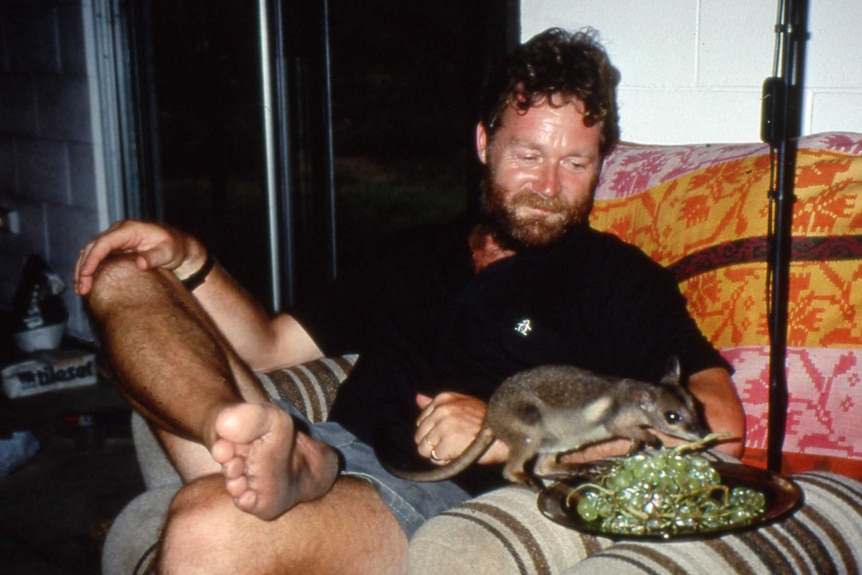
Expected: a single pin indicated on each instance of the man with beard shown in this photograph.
(442, 317)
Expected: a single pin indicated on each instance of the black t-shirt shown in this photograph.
(422, 321)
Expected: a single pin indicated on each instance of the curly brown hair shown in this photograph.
(554, 63)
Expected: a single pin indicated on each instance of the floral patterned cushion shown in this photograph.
(703, 211)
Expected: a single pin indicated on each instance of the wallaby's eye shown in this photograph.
(672, 417)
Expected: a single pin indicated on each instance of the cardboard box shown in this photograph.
(49, 371)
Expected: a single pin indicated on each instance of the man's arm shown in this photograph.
(263, 341)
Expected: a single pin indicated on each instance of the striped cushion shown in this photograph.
(503, 532)
(310, 387)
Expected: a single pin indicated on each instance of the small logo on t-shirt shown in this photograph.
(524, 327)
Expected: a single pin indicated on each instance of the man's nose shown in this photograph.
(549, 182)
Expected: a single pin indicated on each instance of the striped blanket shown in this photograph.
(503, 532)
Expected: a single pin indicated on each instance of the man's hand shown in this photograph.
(448, 424)
(155, 247)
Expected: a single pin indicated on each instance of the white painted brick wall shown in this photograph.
(692, 70)
(47, 168)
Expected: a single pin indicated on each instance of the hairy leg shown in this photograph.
(177, 370)
(349, 530)
(167, 357)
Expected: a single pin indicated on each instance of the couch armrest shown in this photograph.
(503, 532)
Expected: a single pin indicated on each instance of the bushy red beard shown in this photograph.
(515, 231)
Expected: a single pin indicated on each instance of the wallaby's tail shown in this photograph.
(473, 452)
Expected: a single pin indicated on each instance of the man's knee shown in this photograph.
(206, 534)
(196, 533)
(116, 279)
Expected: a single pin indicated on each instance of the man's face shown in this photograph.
(541, 170)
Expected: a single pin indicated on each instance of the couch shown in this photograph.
(702, 211)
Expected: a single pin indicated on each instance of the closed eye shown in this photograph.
(525, 152)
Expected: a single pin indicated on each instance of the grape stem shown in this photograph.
(699, 444)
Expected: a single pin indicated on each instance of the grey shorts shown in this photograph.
(412, 503)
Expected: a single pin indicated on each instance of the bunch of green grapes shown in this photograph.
(666, 492)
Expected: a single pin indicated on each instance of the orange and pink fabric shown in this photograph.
(703, 212)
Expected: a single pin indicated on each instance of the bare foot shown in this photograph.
(268, 467)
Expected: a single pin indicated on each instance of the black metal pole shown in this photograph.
(781, 127)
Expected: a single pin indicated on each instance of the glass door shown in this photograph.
(259, 125)
(406, 78)
(205, 78)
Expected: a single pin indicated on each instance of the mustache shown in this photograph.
(529, 199)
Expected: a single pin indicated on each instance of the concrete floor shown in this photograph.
(55, 510)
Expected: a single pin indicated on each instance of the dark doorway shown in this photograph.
(205, 76)
(406, 77)
(388, 87)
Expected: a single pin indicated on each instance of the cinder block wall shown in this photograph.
(692, 70)
(46, 143)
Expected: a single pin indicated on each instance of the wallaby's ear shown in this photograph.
(644, 398)
(671, 372)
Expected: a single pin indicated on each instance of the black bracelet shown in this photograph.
(196, 279)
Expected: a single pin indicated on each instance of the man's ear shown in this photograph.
(482, 143)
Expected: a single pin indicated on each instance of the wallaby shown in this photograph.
(552, 410)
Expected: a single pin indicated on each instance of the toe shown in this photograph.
(237, 487)
(247, 501)
(233, 468)
(223, 451)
